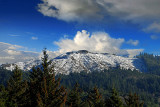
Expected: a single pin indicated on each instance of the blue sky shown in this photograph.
(31, 25)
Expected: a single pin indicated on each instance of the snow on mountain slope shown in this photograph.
(86, 61)
(26, 66)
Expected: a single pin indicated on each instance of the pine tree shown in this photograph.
(3, 96)
(51, 94)
(16, 89)
(133, 101)
(74, 97)
(95, 98)
(48, 91)
(114, 100)
(35, 78)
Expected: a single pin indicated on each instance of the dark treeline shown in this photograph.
(4, 76)
(125, 81)
(111, 88)
(152, 63)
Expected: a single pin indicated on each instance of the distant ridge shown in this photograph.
(83, 60)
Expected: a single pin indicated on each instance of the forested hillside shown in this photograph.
(152, 63)
(4, 76)
(125, 81)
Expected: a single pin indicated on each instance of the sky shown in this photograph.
(104, 26)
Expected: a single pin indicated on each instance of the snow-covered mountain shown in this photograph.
(26, 66)
(83, 60)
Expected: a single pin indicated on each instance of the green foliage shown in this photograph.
(95, 98)
(126, 81)
(114, 100)
(133, 101)
(44, 87)
(35, 79)
(152, 63)
(4, 76)
(3, 96)
(74, 98)
(16, 89)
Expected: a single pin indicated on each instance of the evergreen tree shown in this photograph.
(95, 98)
(74, 97)
(16, 89)
(48, 91)
(114, 100)
(35, 78)
(3, 96)
(51, 95)
(133, 101)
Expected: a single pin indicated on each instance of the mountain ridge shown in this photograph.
(83, 60)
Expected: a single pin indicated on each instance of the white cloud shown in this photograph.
(10, 53)
(85, 10)
(13, 35)
(30, 33)
(51, 54)
(134, 52)
(34, 38)
(4, 46)
(70, 10)
(154, 37)
(154, 27)
(133, 42)
(96, 42)
(135, 9)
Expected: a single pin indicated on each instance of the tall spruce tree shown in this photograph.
(133, 101)
(35, 78)
(74, 97)
(114, 100)
(16, 88)
(48, 91)
(95, 98)
(3, 96)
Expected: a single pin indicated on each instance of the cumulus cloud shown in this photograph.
(81, 10)
(10, 53)
(154, 27)
(34, 38)
(133, 42)
(154, 37)
(97, 42)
